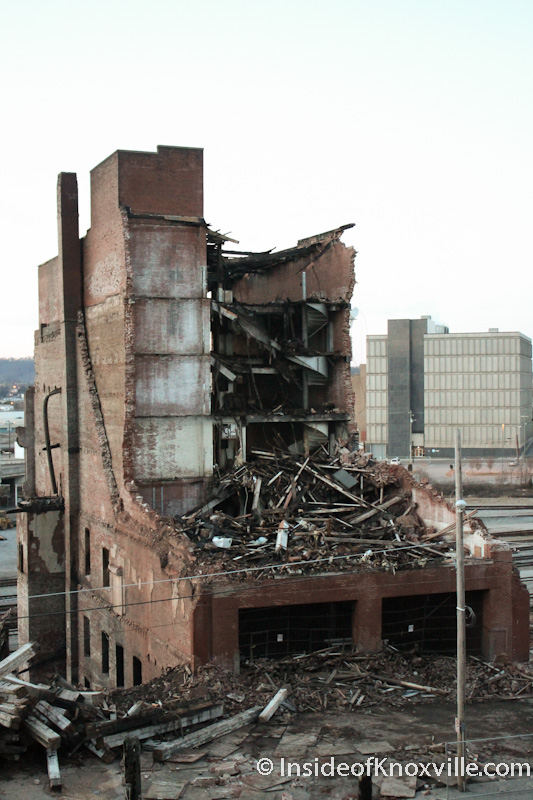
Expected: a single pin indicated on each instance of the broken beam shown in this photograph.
(165, 751)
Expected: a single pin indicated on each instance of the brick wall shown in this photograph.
(505, 610)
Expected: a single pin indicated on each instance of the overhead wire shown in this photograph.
(215, 593)
(244, 570)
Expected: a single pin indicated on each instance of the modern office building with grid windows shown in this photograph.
(424, 382)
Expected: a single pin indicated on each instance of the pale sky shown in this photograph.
(411, 118)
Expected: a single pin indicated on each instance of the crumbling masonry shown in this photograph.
(165, 357)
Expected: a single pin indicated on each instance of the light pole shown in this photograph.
(411, 420)
(526, 419)
(461, 615)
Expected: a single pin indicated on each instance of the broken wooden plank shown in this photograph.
(41, 733)
(153, 717)
(376, 509)
(9, 690)
(135, 708)
(41, 691)
(16, 659)
(148, 731)
(257, 491)
(52, 765)
(54, 716)
(410, 685)
(104, 753)
(271, 707)
(8, 720)
(334, 485)
(67, 694)
(205, 735)
(282, 536)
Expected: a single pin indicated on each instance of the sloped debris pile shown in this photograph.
(192, 709)
(58, 716)
(312, 515)
(333, 680)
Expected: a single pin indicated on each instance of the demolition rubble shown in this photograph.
(179, 712)
(311, 514)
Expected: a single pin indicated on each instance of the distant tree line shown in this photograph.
(16, 370)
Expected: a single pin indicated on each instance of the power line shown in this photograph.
(216, 593)
(245, 570)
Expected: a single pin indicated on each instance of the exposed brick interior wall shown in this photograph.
(41, 549)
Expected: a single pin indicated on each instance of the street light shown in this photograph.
(527, 420)
(411, 420)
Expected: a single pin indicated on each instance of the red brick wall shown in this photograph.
(170, 182)
(156, 627)
(331, 278)
(49, 306)
(505, 626)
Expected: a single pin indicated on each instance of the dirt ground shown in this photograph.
(228, 766)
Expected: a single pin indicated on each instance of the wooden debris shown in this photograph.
(271, 708)
(205, 735)
(41, 732)
(52, 765)
(148, 731)
(299, 514)
(16, 659)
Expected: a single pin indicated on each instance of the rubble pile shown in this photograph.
(60, 716)
(180, 711)
(333, 680)
(312, 515)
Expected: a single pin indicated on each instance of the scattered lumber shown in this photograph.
(299, 512)
(205, 735)
(52, 765)
(178, 723)
(16, 659)
(271, 708)
(41, 732)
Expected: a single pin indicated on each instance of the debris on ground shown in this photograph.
(180, 711)
(332, 679)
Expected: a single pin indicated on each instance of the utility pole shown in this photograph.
(461, 614)
(132, 768)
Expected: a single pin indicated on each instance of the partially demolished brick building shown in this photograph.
(165, 357)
